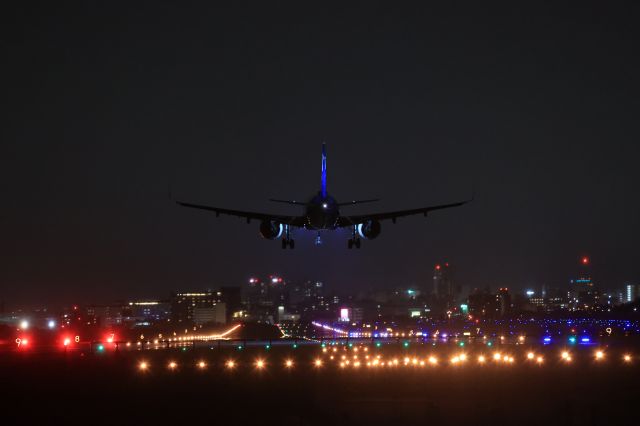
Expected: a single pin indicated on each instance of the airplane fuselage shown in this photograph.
(321, 212)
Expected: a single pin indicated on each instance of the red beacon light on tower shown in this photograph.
(437, 267)
(584, 260)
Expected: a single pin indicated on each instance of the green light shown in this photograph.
(378, 344)
(324, 345)
(405, 344)
(489, 344)
(100, 348)
(350, 345)
(572, 339)
(295, 345)
(239, 347)
(267, 347)
(461, 344)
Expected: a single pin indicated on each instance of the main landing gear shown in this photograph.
(354, 240)
(287, 240)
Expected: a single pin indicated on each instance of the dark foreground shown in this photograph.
(111, 389)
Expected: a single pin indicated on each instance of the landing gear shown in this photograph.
(354, 240)
(287, 240)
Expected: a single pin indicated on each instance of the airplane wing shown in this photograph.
(287, 220)
(356, 219)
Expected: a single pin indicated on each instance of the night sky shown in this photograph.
(108, 105)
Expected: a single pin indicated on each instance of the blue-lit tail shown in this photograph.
(323, 177)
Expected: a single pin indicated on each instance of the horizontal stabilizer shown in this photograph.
(286, 201)
(351, 203)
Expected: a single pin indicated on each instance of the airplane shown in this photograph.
(322, 212)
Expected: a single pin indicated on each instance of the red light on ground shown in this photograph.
(446, 264)
(110, 338)
(66, 342)
(585, 260)
(437, 267)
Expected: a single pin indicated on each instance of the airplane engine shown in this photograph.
(369, 229)
(270, 229)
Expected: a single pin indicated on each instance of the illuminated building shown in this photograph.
(503, 300)
(147, 311)
(443, 284)
(184, 304)
(630, 293)
(210, 314)
(583, 295)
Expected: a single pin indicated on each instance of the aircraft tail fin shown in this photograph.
(323, 176)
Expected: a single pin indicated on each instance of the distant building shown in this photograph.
(583, 294)
(148, 311)
(503, 302)
(210, 314)
(631, 293)
(232, 298)
(443, 284)
(183, 304)
(482, 303)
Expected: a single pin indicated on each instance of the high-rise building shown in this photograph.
(503, 301)
(443, 284)
(232, 298)
(583, 295)
(631, 293)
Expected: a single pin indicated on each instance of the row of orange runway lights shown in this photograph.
(357, 361)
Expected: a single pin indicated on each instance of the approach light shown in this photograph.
(325, 205)
(599, 355)
(260, 364)
(202, 364)
(433, 360)
(497, 356)
(481, 359)
(230, 364)
(530, 355)
(540, 360)
(51, 324)
(318, 362)
(172, 365)
(288, 363)
(627, 358)
(24, 324)
(143, 366)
